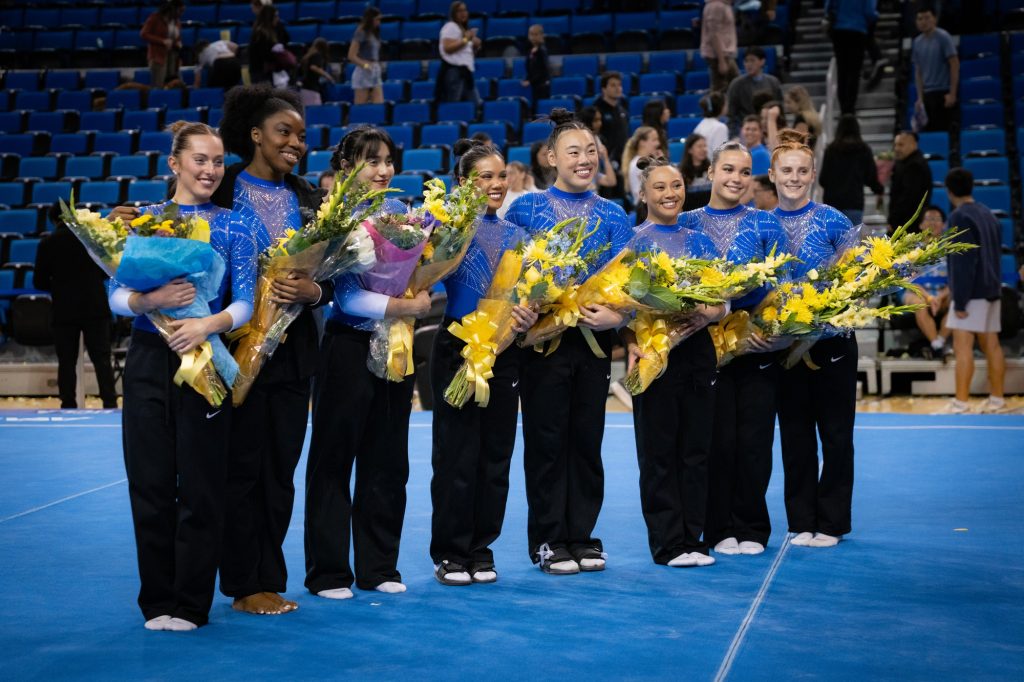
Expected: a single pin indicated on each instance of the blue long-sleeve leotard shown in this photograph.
(816, 234)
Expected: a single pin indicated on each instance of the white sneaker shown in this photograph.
(337, 593)
(823, 540)
(685, 560)
(180, 625)
(728, 546)
(801, 539)
(158, 623)
(750, 547)
(957, 407)
(390, 587)
(993, 405)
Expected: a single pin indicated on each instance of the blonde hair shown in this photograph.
(629, 151)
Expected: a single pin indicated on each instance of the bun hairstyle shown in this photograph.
(357, 144)
(469, 152)
(792, 141)
(564, 121)
(247, 107)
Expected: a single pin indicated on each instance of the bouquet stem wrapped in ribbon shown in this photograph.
(154, 251)
(537, 272)
(454, 219)
(832, 301)
(333, 243)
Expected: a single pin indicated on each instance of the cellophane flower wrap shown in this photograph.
(536, 272)
(150, 252)
(334, 242)
(670, 289)
(835, 299)
(454, 222)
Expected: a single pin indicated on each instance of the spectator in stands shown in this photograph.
(932, 318)
(752, 136)
(520, 182)
(849, 21)
(710, 127)
(257, 5)
(740, 97)
(644, 142)
(607, 176)
(458, 45)
(766, 194)
(268, 52)
(656, 115)
(540, 168)
(936, 70)
(772, 121)
(798, 102)
(77, 287)
(718, 43)
(220, 60)
(911, 180)
(614, 115)
(364, 52)
(162, 33)
(313, 72)
(327, 181)
(695, 164)
(975, 285)
(849, 167)
(538, 70)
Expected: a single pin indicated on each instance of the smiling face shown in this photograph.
(793, 176)
(664, 193)
(575, 158)
(281, 141)
(200, 168)
(379, 168)
(932, 222)
(730, 178)
(492, 179)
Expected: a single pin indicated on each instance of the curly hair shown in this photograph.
(247, 107)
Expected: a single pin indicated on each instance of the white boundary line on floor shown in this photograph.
(62, 500)
(741, 633)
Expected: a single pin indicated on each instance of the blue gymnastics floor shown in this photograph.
(929, 586)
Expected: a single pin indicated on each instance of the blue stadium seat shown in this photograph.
(204, 14)
(535, 131)
(304, 34)
(680, 127)
(440, 134)
(1005, 231)
(105, 80)
(23, 251)
(934, 144)
(12, 194)
(169, 99)
(421, 90)
(456, 111)
(20, 220)
(589, 23)
(62, 80)
(12, 121)
(624, 63)
(573, 86)
(513, 87)
(128, 39)
(124, 15)
(119, 143)
(688, 105)
(145, 120)
(206, 97)
(939, 169)
(974, 68)
(124, 99)
(658, 82)
(49, 192)
(941, 199)
(411, 112)
(498, 132)
(503, 110)
(90, 167)
(546, 106)
(520, 154)
(421, 30)
(213, 116)
(395, 91)
(17, 144)
(374, 114)
(130, 165)
(635, 21)
(996, 197)
(982, 142)
(423, 160)
(973, 46)
(487, 68)
(100, 192)
(515, 27)
(71, 143)
(156, 141)
(239, 12)
(76, 100)
(94, 40)
(402, 135)
(580, 65)
(102, 121)
(186, 114)
(152, 191)
(79, 16)
(981, 88)
(34, 100)
(47, 121)
(318, 161)
(696, 80)
(324, 114)
(22, 80)
(411, 186)
(980, 115)
(44, 167)
(410, 70)
(1008, 267)
(996, 168)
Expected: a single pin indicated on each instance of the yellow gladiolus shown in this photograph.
(880, 253)
(141, 220)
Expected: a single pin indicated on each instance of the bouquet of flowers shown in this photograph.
(454, 220)
(660, 324)
(334, 242)
(833, 300)
(155, 250)
(536, 272)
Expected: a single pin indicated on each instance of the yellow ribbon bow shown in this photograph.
(400, 336)
(192, 364)
(653, 340)
(477, 331)
(728, 333)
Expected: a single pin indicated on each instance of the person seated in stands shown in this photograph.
(752, 137)
(220, 61)
(766, 195)
(931, 319)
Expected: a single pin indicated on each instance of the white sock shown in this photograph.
(938, 343)
(823, 540)
(751, 547)
(180, 625)
(158, 623)
(458, 577)
(802, 539)
(485, 576)
(728, 546)
(591, 563)
(337, 593)
(391, 587)
(684, 560)
(702, 559)
(565, 566)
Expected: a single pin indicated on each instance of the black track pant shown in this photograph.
(848, 47)
(175, 454)
(564, 396)
(361, 422)
(741, 451)
(267, 434)
(97, 344)
(673, 421)
(824, 400)
(472, 453)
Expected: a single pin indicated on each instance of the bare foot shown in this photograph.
(258, 603)
(285, 604)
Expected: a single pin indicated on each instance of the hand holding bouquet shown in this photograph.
(535, 273)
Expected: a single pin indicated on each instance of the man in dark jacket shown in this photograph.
(911, 181)
(77, 287)
(974, 284)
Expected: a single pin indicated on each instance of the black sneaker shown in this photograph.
(483, 572)
(557, 561)
(451, 573)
